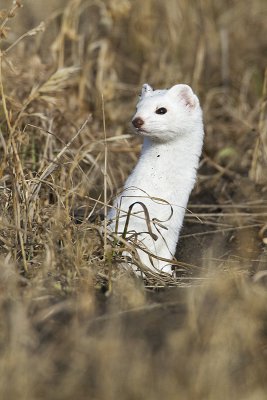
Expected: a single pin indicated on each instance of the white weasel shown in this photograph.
(170, 121)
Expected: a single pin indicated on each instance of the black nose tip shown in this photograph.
(137, 122)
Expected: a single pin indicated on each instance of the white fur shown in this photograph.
(165, 170)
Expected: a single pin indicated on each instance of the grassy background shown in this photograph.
(72, 324)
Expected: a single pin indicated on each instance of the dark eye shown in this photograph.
(161, 110)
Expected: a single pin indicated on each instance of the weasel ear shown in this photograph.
(185, 94)
(145, 90)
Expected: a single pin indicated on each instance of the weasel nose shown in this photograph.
(137, 122)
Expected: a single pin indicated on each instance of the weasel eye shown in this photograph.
(161, 110)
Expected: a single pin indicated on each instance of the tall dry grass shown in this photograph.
(72, 324)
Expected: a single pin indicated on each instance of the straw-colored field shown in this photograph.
(72, 324)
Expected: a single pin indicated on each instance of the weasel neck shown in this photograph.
(164, 169)
(182, 148)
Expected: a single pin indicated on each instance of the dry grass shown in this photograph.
(73, 325)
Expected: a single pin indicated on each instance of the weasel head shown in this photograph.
(165, 115)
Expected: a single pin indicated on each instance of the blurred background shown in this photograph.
(218, 47)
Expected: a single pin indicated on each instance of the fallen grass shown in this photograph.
(73, 322)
